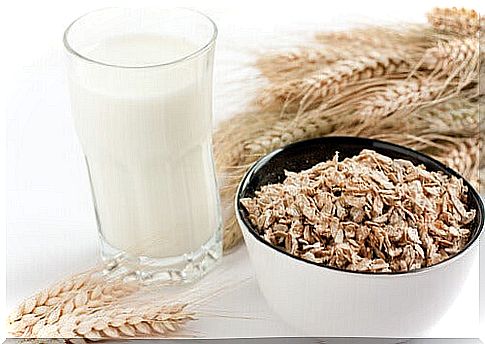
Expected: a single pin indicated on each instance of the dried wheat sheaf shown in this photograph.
(415, 85)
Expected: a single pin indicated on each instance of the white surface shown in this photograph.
(50, 224)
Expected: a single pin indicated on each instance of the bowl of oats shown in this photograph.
(357, 237)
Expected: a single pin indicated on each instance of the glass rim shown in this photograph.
(206, 46)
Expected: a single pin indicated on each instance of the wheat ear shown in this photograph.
(232, 133)
(454, 20)
(313, 90)
(402, 95)
(285, 66)
(120, 322)
(456, 57)
(464, 158)
(455, 117)
(83, 292)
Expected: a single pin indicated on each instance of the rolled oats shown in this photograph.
(365, 213)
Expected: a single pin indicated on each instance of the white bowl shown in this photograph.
(326, 301)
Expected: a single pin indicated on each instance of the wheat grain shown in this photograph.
(454, 20)
(234, 137)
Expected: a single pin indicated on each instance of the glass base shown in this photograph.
(186, 268)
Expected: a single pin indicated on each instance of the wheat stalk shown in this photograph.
(45, 301)
(315, 89)
(400, 95)
(88, 290)
(285, 66)
(275, 133)
(456, 57)
(95, 306)
(455, 117)
(229, 137)
(464, 158)
(341, 120)
(119, 321)
(454, 20)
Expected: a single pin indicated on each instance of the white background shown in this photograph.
(50, 227)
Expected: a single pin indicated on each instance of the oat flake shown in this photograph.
(365, 213)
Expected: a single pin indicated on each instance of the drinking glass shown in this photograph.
(140, 82)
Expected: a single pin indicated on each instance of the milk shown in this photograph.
(146, 135)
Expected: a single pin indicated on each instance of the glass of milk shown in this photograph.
(141, 92)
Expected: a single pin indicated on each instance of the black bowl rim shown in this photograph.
(383, 144)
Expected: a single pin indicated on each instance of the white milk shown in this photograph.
(146, 134)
